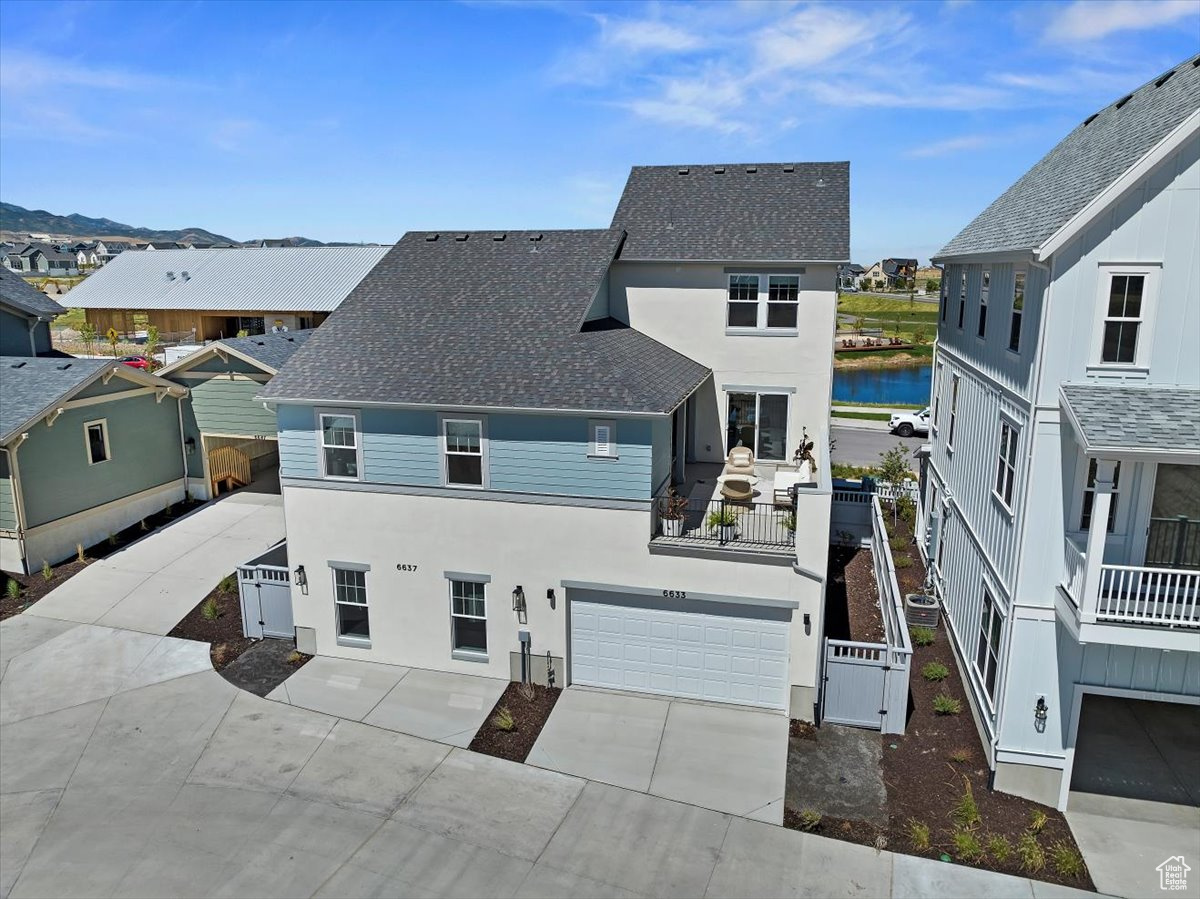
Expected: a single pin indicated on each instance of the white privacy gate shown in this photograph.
(266, 591)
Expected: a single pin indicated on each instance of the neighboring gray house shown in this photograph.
(1062, 497)
(88, 447)
(25, 317)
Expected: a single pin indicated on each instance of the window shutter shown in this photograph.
(603, 441)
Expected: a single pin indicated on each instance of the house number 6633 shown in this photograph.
(675, 594)
(404, 566)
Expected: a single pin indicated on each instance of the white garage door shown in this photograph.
(722, 658)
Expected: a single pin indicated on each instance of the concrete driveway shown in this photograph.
(718, 757)
(150, 585)
(124, 770)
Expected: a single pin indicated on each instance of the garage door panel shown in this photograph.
(681, 653)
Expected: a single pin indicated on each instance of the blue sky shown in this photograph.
(345, 121)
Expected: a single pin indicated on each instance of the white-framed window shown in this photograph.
(1127, 295)
(463, 450)
(939, 376)
(1089, 498)
(95, 441)
(1006, 464)
(602, 439)
(987, 650)
(350, 602)
(758, 421)
(944, 292)
(783, 300)
(468, 617)
(340, 445)
(941, 540)
(985, 288)
(742, 301)
(962, 298)
(1018, 311)
(953, 410)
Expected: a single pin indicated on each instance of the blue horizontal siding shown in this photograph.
(297, 442)
(400, 447)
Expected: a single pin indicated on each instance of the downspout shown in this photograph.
(32, 326)
(183, 447)
(1035, 385)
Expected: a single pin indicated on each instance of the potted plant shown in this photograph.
(673, 510)
(803, 458)
(724, 522)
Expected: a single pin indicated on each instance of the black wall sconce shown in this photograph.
(519, 603)
(301, 578)
(1041, 712)
(189, 445)
(550, 596)
(807, 624)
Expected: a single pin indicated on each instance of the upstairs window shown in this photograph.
(1123, 319)
(339, 446)
(962, 299)
(95, 435)
(987, 652)
(783, 300)
(985, 286)
(944, 293)
(938, 380)
(464, 451)
(1018, 309)
(953, 410)
(743, 301)
(1089, 498)
(1006, 466)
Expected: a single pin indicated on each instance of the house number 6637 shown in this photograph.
(675, 594)
(404, 566)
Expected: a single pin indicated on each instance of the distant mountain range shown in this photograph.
(39, 221)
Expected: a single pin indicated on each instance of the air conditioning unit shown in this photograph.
(921, 610)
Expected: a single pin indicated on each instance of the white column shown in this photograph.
(1097, 535)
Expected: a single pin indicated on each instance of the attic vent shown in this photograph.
(461, 237)
(719, 170)
(185, 276)
(789, 167)
(820, 182)
(1196, 62)
(431, 237)
(260, 343)
(751, 169)
(1090, 119)
(64, 366)
(1124, 100)
(684, 171)
(1164, 79)
(18, 365)
(170, 276)
(499, 236)
(535, 237)
(290, 339)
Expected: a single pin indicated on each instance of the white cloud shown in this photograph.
(641, 36)
(23, 71)
(949, 146)
(1091, 20)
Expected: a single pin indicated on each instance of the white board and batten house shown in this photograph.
(1063, 486)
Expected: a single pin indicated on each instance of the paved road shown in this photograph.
(859, 445)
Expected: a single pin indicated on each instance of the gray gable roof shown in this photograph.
(1089, 159)
(1131, 420)
(30, 386)
(773, 212)
(15, 291)
(487, 319)
(272, 350)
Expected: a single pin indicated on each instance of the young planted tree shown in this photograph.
(153, 345)
(893, 469)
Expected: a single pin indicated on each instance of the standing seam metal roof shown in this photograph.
(1089, 159)
(268, 279)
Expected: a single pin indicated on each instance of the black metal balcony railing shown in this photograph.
(1173, 542)
(725, 522)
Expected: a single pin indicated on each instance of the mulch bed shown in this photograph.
(927, 772)
(529, 717)
(862, 599)
(34, 586)
(224, 632)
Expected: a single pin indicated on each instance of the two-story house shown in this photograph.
(1063, 488)
(476, 447)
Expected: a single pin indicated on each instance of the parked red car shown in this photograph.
(137, 362)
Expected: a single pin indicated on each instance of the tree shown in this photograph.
(152, 346)
(87, 331)
(933, 285)
(893, 469)
(919, 335)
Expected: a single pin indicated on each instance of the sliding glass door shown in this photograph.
(758, 421)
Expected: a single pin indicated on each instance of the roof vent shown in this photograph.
(1164, 79)
(684, 171)
(1124, 100)
(1196, 62)
(751, 169)
(535, 237)
(18, 365)
(820, 182)
(788, 167)
(170, 276)
(719, 170)
(499, 236)
(64, 366)
(461, 237)
(431, 237)
(185, 276)
(1090, 119)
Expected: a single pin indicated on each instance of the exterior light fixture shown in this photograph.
(1040, 713)
(301, 577)
(550, 596)
(518, 599)
(190, 445)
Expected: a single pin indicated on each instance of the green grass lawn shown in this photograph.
(895, 315)
(865, 416)
(72, 318)
(866, 407)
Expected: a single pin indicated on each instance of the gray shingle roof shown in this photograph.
(487, 323)
(15, 291)
(29, 386)
(1132, 420)
(772, 212)
(270, 349)
(1088, 160)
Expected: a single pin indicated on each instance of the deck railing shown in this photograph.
(725, 522)
(1156, 596)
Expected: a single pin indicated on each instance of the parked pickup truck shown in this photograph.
(908, 423)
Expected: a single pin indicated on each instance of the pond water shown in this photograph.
(909, 384)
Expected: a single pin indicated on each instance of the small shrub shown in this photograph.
(789, 521)
(294, 657)
(922, 636)
(228, 584)
(13, 588)
(169, 510)
(503, 720)
(946, 705)
(47, 571)
(961, 756)
(721, 517)
(112, 539)
(903, 561)
(1037, 821)
(918, 834)
(907, 509)
(935, 671)
(810, 820)
(880, 843)
(898, 544)
(1031, 854)
(966, 810)
(1067, 860)
(79, 556)
(210, 611)
(967, 845)
(999, 847)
